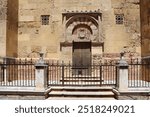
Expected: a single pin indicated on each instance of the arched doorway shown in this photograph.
(82, 39)
(81, 51)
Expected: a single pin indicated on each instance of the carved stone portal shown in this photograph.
(82, 26)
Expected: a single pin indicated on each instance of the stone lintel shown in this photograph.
(65, 44)
(70, 44)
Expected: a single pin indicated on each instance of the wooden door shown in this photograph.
(81, 58)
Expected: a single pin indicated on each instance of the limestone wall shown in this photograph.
(12, 29)
(3, 16)
(145, 28)
(34, 37)
(145, 32)
(8, 28)
(124, 37)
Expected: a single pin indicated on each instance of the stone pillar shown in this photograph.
(123, 75)
(64, 28)
(100, 28)
(41, 75)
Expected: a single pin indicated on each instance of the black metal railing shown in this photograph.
(61, 74)
(17, 73)
(139, 73)
(21, 73)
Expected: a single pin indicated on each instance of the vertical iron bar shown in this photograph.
(100, 75)
(52, 70)
(69, 73)
(19, 72)
(49, 72)
(62, 73)
(16, 72)
(9, 70)
(116, 76)
(144, 75)
(135, 77)
(31, 70)
(132, 71)
(26, 76)
(148, 74)
(13, 72)
(137, 74)
(57, 71)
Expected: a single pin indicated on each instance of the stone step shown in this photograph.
(94, 89)
(81, 98)
(81, 93)
(88, 93)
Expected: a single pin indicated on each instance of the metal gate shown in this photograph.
(61, 74)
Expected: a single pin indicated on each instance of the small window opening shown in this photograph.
(45, 19)
(119, 18)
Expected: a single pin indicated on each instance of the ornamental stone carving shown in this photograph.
(82, 26)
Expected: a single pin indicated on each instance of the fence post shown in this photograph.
(123, 75)
(41, 75)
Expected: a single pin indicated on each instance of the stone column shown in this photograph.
(41, 75)
(123, 75)
(64, 27)
(100, 28)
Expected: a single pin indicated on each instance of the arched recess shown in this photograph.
(81, 18)
(82, 24)
(81, 32)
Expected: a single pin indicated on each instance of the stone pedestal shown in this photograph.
(41, 76)
(123, 76)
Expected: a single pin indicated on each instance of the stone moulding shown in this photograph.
(70, 44)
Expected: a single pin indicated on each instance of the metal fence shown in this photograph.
(139, 73)
(17, 73)
(21, 73)
(61, 74)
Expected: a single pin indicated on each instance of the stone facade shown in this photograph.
(3, 17)
(145, 28)
(145, 33)
(72, 20)
(125, 37)
(9, 28)
(12, 29)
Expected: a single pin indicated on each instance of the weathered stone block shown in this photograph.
(26, 18)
